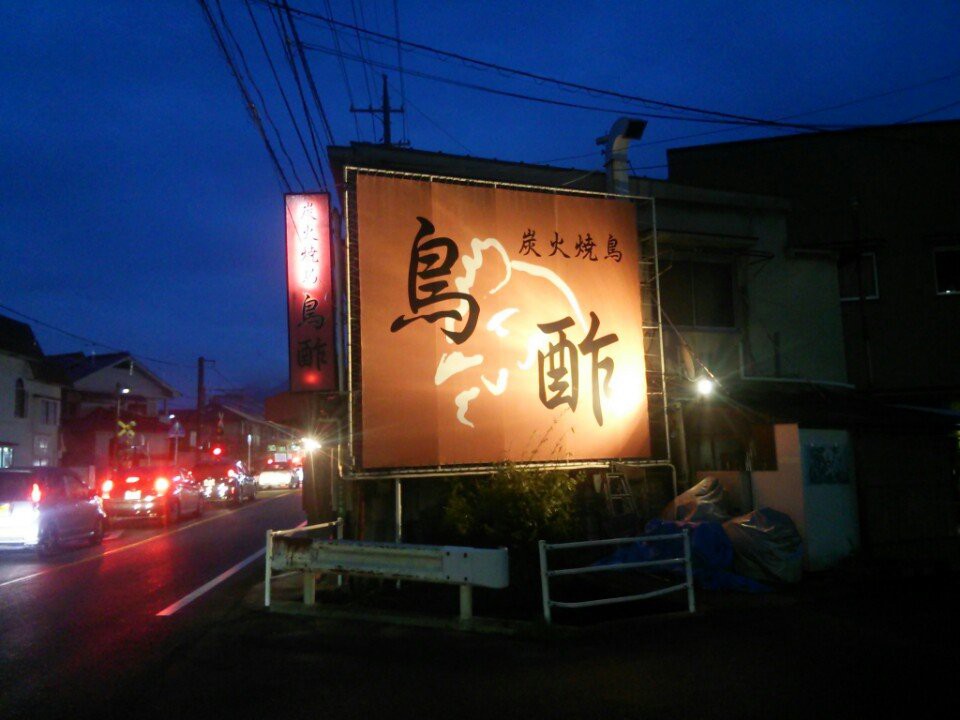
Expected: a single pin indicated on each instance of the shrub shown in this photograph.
(515, 507)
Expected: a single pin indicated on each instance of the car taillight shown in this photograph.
(161, 485)
(36, 494)
(106, 488)
(231, 474)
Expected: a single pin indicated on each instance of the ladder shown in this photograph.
(619, 500)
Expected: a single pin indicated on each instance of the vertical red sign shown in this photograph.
(310, 293)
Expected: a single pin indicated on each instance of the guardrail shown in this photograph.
(309, 579)
(444, 564)
(546, 573)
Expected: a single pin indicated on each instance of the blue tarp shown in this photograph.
(710, 548)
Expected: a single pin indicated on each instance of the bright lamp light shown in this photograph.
(705, 386)
(309, 444)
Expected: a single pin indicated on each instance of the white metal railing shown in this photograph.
(463, 566)
(309, 578)
(546, 573)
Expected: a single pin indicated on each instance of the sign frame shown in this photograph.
(311, 318)
(352, 468)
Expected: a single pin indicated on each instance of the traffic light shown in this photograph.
(216, 450)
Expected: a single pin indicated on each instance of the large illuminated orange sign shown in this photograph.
(310, 293)
(495, 325)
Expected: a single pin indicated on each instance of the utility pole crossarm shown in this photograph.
(385, 111)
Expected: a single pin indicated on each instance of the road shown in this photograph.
(84, 630)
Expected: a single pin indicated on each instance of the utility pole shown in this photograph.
(385, 111)
(201, 401)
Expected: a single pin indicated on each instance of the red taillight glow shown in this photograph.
(106, 488)
(161, 485)
(217, 451)
(35, 494)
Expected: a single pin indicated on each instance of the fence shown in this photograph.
(546, 573)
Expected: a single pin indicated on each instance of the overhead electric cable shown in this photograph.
(283, 93)
(436, 124)
(366, 78)
(256, 88)
(279, 23)
(521, 96)
(90, 341)
(309, 75)
(403, 92)
(251, 108)
(343, 70)
(930, 112)
(747, 119)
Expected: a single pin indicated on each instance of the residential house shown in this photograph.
(114, 406)
(30, 389)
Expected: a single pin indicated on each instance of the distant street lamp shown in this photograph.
(121, 391)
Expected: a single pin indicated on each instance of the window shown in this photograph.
(48, 411)
(41, 450)
(76, 490)
(20, 400)
(946, 261)
(6, 456)
(698, 294)
(850, 287)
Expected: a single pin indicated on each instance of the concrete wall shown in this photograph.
(830, 499)
(782, 489)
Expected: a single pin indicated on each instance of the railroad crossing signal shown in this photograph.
(126, 429)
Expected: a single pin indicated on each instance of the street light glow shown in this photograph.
(705, 386)
(309, 444)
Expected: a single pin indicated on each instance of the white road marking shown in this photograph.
(195, 523)
(187, 599)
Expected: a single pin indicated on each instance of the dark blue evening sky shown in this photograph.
(139, 208)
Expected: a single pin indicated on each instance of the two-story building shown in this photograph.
(113, 405)
(30, 389)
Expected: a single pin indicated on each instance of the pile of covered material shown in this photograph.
(750, 552)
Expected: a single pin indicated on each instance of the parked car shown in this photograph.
(279, 475)
(225, 481)
(158, 492)
(43, 508)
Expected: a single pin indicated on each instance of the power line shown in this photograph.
(256, 88)
(520, 96)
(283, 94)
(251, 108)
(366, 76)
(403, 92)
(309, 75)
(343, 70)
(89, 341)
(743, 119)
(436, 125)
(279, 23)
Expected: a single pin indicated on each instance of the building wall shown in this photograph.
(891, 191)
(34, 442)
(830, 503)
(776, 295)
(782, 489)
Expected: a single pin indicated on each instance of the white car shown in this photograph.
(279, 475)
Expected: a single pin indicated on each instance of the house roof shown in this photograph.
(17, 338)
(101, 418)
(814, 405)
(881, 132)
(77, 366)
